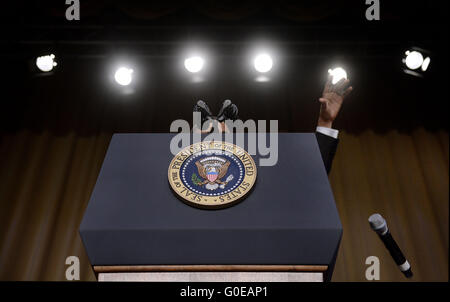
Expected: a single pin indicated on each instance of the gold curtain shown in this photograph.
(404, 177)
(46, 180)
(45, 184)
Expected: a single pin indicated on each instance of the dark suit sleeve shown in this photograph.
(327, 146)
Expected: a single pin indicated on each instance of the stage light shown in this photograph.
(263, 63)
(194, 64)
(413, 60)
(46, 63)
(416, 61)
(337, 74)
(123, 76)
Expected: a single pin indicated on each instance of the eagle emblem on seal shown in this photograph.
(211, 170)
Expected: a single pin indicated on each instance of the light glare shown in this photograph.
(337, 74)
(426, 63)
(194, 64)
(123, 76)
(414, 59)
(46, 63)
(262, 79)
(263, 63)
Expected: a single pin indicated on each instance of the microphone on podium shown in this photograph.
(379, 225)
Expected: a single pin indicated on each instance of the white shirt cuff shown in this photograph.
(328, 131)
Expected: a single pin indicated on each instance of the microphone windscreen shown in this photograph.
(378, 223)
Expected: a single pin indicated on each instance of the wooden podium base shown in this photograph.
(212, 273)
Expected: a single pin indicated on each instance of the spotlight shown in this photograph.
(194, 64)
(337, 74)
(46, 63)
(415, 62)
(263, 63)
(123, 76)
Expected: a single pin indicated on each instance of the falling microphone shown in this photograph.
(379, 225)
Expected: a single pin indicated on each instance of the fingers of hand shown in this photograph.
(347, 91)
(341, 83)
(328, 84)
(341, 86)
(323, 103)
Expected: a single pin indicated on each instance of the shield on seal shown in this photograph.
(212, 175)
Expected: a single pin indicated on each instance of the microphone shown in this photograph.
(379, 225)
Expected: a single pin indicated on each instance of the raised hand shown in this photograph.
(331, 101)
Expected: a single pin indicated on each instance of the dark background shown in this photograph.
(308, 38)
(393, 154)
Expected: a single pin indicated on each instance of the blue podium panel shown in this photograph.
(133, 217)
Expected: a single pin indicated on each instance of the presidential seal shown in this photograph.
(212, 175)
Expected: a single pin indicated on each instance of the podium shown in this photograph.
(136, 229)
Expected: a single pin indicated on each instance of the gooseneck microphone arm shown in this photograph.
(379, 225)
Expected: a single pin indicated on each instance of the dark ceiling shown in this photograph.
(154, 28)
(309, 36)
